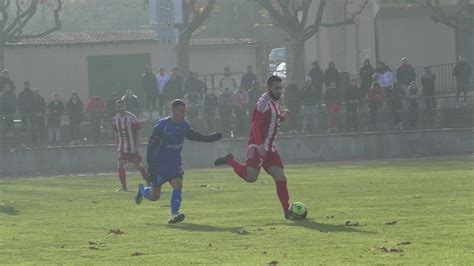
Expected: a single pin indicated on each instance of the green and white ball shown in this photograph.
(298, 211)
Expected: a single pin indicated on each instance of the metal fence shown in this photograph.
(320, 118)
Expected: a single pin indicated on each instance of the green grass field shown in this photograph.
(66, 220)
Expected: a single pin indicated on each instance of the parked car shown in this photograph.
(275, 57)
(280, 70)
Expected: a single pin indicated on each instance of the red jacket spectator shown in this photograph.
(96, 104)
(375, 93)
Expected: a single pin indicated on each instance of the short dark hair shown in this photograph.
(119, 101)
(27, 83)
(177, 102)
(273, 79)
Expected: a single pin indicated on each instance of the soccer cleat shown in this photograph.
(176, 219)
(139, 195)
(223, 160)
(121, 190)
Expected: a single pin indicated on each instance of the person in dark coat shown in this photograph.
(366, 75)
(8, 104)
(462, 71)
(74, 110)
(55, 111)
(37, 117)
(331, 75)
(149, 87)
(25, 104)
(317, 79)
(352, 95)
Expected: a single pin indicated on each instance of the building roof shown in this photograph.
(77, 38)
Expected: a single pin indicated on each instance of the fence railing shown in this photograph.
(361, 116)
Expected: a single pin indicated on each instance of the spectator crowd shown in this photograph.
(226, 107)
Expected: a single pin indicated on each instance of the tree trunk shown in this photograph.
(295, 66)
(2, 52)
(183, 56)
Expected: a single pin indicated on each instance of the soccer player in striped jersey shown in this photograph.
(127, 138)
(164, 157)
(262, 150)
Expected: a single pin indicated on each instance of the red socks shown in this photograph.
(282, 192)
(122, 178)
(239, 169)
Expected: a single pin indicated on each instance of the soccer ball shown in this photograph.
(297, 211)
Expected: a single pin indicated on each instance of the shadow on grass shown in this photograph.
(8, 210)
(203, 228)
(325, 228)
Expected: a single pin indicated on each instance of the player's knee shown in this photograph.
(251, 178)
(154, 197)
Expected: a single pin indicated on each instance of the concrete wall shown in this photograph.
(64, 69)
(293, 149)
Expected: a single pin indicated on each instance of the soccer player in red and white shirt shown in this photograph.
(262, 150)
(127, 137)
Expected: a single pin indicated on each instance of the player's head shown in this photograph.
(178, 110)
(274, 87)
(120, 105)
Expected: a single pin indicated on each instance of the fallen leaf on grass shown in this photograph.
(165, 206)
(329, 216)
(137, 253)
(389, 249)
(259, 229)
(264, 252)
(116, 231)
(418, 196)
(93, 247)
(350, 223)
(203, 185)
(273, 262)
(391, 222)
(242, 231)
(93, 243)
(272, 228)
(95, 202)
(210, 245)
(404, 243)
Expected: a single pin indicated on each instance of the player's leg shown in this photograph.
(250, 170)
(175, 202)
(121, 173)
(152, 191)
(274, 167)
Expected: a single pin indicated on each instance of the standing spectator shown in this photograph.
(292, 96)
(310, 103)
(333, 100)
(193, 103)
(254, 94)
(331, 75)
(352, 95)
(37, 119)
(405, 74)
(249, 79)
(384, 75)
(96, 109)
(74, 109)
(131, 102)
(5, 79)
(462, 71)
(149, 86)
(428, 83)
(227, 81)
(25, 105)
(375, 96)
(161, 79)
(55, 110)
(195, 84)
(174, 87)
(412, 95)
(366, 75)
(317, 79)
(210, 105)
(225, 111)
(241, 101)
(8, 103)
(395, 98)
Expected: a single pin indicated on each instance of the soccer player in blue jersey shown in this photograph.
(164, 157)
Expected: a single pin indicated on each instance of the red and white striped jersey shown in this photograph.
(266, 118)
(126, 128)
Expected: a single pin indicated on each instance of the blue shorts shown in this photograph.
(158, 180)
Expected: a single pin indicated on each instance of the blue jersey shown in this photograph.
(165, 145)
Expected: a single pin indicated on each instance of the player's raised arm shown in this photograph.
(196, 136)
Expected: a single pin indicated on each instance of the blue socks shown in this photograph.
(175, 201)
(145, 191)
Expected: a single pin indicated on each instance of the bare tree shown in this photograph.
(461, 20)
(11, 26)
(293, 19)
(195, 12)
